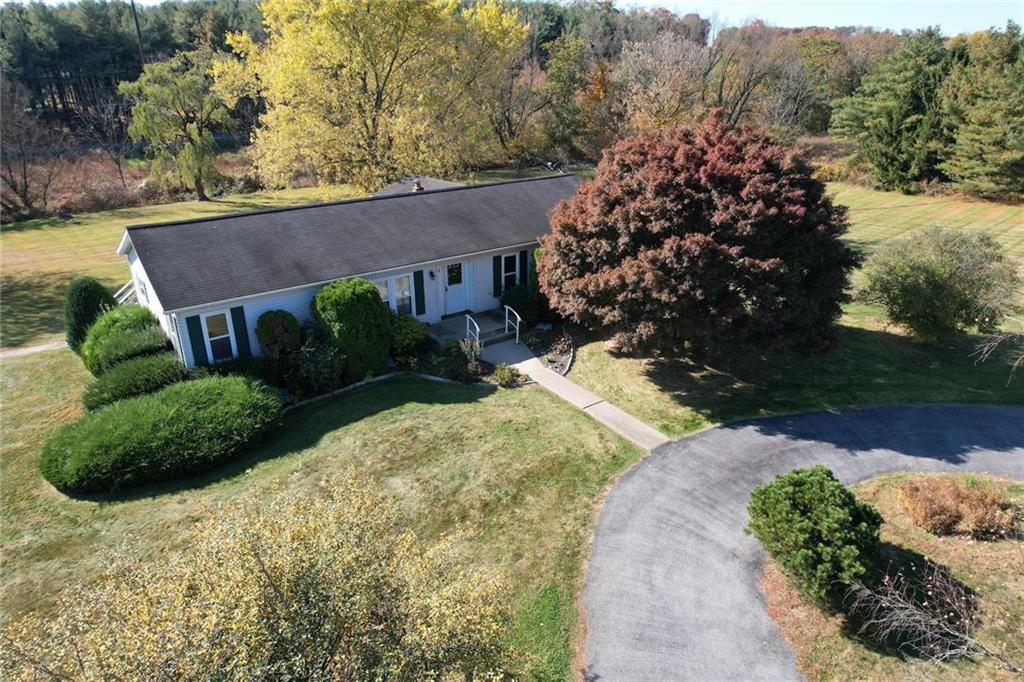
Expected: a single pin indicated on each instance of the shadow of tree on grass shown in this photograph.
(31, 306)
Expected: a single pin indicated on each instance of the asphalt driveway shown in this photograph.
(671, 589)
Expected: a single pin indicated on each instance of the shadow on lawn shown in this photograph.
(867, 367)
(306, 426)
(32, 306)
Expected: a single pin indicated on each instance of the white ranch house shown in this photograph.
(435, 251)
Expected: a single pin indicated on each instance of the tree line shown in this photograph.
(366, 92)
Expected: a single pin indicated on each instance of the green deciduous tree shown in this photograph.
(175, 112)
(894, 115)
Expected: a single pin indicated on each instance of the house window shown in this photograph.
(509, 269)
(454, 274)
(140, 288)
(382, 289)
(403, 294)
(218, 337)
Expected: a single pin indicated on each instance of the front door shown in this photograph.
(454, 288)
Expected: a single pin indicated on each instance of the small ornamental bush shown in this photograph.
(506, 375)
(940, 282)
(357, 322)
(408, 336)
(946, 506)
(131, 343)
(816, 529)
(111, 324)
(307, 585)
(318, 367)
(85, 300)
(182, 429)
(134, 377)
(278, 333)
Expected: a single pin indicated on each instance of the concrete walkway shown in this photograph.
(671, 591)
(29, 350)
(626, 425)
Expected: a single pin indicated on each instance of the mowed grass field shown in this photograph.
(518, 472)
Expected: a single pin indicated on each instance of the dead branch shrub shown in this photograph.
(921, 611)
(946, 506)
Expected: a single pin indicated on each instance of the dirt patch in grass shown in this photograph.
(994, 570)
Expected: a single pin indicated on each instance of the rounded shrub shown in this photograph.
(816, 529)
(114, 323)
(85, 300)
(134, 377)
(358, 322)
(939, 282)
(278, 333)
(185, 428)
(408, 336)
(132, 343)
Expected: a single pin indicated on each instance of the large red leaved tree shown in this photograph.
(716, 238)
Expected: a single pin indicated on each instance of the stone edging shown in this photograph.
(367, 382)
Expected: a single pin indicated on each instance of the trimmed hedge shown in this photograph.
(113, 324)
(129, 344)
(816, 529)
(186, 428)
(86, 299)
(357, 322)
(278, 333)
(134, 377)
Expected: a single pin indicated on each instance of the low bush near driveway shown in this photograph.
(816, 529)
(325, 586)
(134, 377)
(947, 506)
(182, 429)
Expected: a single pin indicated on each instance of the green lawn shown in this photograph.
(519, 470)
(878, 217)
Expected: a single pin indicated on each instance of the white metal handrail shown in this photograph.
(473, 331)
(125, 294)
(515, 325)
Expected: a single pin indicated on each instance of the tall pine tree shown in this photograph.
(982, 104)
(893, 116)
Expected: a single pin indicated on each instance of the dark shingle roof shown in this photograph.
(207, 260)
(405, 185)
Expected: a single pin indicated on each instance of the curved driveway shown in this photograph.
(671, 591)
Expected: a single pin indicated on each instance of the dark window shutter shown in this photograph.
(241, 332)
(496, 272)
(197, 340)
(524, 265)
(417, 285)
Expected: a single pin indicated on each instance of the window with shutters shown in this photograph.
(220, 342)
(509, 271)
(403, 295)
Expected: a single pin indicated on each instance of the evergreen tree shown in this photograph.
(983, 111)
(893, 116)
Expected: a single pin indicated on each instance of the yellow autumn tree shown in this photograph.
(314, 587)
(366, 91)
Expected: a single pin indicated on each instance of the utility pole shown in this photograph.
(138, 36)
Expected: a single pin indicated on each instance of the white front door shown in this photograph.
(454, 276)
